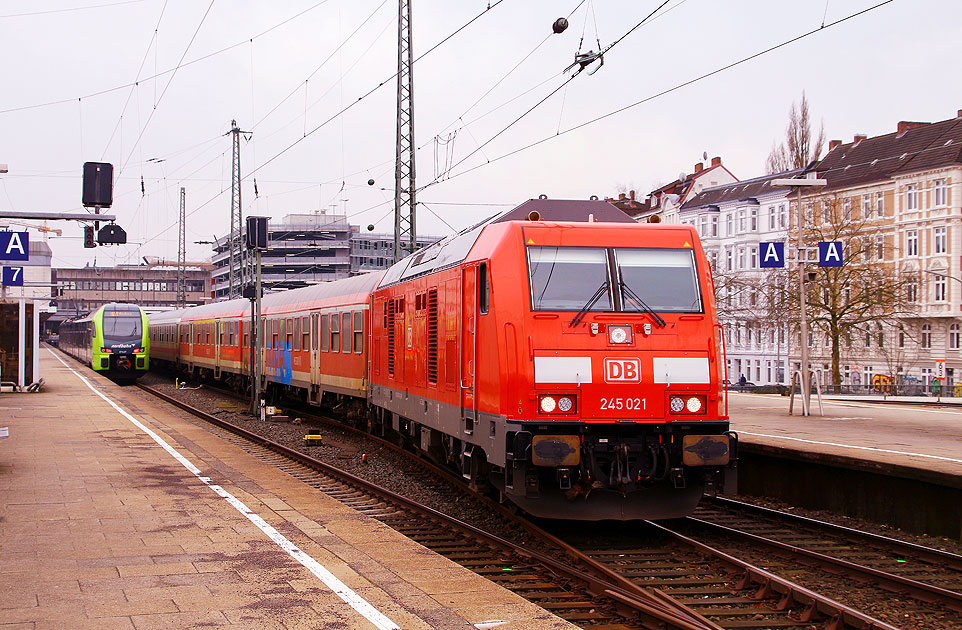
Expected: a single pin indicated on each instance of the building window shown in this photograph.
(901, 337)
(826, 212)
(782, 216)
(741, 258)
(714, 226)
(742, 224)
(729, 256)
(880, 247)
(880, 204)
(941, 242)
(847, 209)
(911, 243)
(911, 293)
(754, 219)
(941, 288)
(772, 218)
(955, 337)
(926, 335)
(729, 230)
(911, 196)
(866, 206)
(753, 255)
(940, 193)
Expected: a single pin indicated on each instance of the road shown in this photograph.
(923, 437)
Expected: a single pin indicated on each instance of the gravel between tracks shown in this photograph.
(393, 471)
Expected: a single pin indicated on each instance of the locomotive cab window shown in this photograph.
(663, 279)
(569, 279)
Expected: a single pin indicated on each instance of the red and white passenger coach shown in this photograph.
(560, 352)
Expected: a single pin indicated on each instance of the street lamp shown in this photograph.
(809, 180)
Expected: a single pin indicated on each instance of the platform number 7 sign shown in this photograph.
(13, 276)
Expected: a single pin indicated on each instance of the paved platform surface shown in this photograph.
(103, 526)
(927, 438)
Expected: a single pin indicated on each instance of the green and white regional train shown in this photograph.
(113, 340)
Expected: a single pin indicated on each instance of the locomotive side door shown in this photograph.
(468, 343)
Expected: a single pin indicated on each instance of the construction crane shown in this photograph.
(40, 228)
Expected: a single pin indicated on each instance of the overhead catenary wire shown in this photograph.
(662, 93)
(167, 71)
(70, 9)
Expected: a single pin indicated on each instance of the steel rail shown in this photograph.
(656, 610)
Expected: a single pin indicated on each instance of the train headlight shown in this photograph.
(693, 405)
(676, 404)
(565, 404)
(548, 404)
(619, 334)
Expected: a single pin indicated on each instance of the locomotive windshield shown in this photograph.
(566, 278)
(122, 327)
(570, 278)
(664, 279)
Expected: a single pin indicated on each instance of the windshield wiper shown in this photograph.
(591, 302)
(644, 307)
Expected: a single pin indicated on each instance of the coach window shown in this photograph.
(274, 324)
(348, 337)
(297, 334)
(289, 338)
(483, 287)
(335, 332)
(358, 331)
(305, 334)
(325, 334)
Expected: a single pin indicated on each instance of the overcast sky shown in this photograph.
(290, 67)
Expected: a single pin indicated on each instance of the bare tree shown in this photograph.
(857, 302)
(800, 148)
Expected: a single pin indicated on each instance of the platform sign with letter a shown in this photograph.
(12, 276)
(830, 253)
(771, 254)
(14, 246)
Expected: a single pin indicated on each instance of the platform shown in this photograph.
(117, 513)
(927, 438)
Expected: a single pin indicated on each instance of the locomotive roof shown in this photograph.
(454, 249)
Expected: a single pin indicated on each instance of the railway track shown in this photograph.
(928, 575)
(568, 591)
(674, 582)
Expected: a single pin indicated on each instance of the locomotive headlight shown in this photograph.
(565, 404)
(676, 404)
(693, 405)
(548, 404)
(619, 334)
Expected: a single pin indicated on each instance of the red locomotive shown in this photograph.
(560, 353)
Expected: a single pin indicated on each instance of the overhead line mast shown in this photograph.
(182, 251)
(405, 203)
(236, 262)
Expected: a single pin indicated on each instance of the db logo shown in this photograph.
(622, 371)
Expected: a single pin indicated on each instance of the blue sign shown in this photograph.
(771, 254)
(13, 276)
(14, 246)
(830, 253)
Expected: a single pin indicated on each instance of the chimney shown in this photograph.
(833, 144)
(958, 114)
(699, 167)
(631, 195)
(860, 136)
(905, 125)
(621, 196)
(716, 161)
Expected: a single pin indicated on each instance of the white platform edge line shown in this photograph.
(861, 448)
(358, 603)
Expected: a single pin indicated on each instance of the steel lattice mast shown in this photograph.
(405, 190)
(182, 251)
(236, 273)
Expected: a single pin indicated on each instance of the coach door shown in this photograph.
(218, 342)
(469, 344)
(315, 353)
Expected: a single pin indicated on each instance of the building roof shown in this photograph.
(745, 189)
(919, 146)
